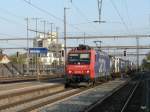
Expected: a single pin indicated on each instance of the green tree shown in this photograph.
(146, 62)
(20, 59)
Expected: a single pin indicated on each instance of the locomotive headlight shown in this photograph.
(87, 71)
(69, 71)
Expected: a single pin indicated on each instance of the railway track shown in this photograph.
(36, 98)
(139, 101)
(28, 78)
(29, 103)
(133, 102)
(15, 97)
(129, 98)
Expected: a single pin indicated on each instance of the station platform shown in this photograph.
(20, 85)
(83, 100)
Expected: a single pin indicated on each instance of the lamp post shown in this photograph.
(137, 50)
(51, 31)
(44, 26)
(36, 34)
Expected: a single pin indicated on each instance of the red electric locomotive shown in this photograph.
(85, 64)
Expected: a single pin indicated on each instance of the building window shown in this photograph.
(40, 44)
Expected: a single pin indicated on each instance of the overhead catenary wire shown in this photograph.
(43, 10)
(127, 11)
(121, 18)
(128, 15)
(7, 12)
(8, 42)
(8, 35)
(13, 15)
(48, 13)
(10, 21)
(82, 14)
(10, 13)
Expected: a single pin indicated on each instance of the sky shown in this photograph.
(122, 17)
(81, 13)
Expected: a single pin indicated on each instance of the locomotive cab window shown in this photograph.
(83, 58)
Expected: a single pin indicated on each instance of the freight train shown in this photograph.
(85, 64)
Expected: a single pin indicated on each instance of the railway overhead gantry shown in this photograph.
(102, 47)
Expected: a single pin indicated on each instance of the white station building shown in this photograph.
(55, 54)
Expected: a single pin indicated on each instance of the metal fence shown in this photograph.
(14, 69)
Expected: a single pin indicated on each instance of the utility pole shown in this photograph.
(36, 58)
(137, 50)
(36, 25)
(1, 51)
(65, 36)
(51, 31)
(84, 37)
(27, 20)
(99, 9)
(57, 34)
(36, 19)
(58, 48)
(44, 26)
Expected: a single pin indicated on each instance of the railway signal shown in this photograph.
(124, 53)
(17, 54)
(1, 51)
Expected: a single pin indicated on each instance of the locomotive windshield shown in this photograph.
(75, 58)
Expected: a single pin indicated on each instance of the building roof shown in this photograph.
(2, 56)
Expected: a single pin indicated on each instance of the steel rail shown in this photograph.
(36, 103)
(29, 91)
(59, 98)
(88, 109)
(130, 97)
